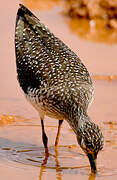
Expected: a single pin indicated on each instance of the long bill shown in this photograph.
(92, 160)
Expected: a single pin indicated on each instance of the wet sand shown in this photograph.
(21, 149)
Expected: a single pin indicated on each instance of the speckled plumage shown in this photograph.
(54, 79)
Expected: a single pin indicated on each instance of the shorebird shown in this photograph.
(55, 82)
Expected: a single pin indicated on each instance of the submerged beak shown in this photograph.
(92, 160)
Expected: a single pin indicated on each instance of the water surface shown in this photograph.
(21, 150)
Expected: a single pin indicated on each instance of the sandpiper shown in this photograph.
(55, 82)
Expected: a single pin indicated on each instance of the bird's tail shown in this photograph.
(25, 14)
(26, 19)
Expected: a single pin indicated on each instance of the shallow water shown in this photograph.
(21, 150)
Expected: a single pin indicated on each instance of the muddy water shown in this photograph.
(21, 150)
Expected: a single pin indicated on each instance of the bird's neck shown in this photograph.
(78, 120)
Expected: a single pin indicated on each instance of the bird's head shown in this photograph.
(91, 141)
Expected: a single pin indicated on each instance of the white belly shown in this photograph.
(44, 109)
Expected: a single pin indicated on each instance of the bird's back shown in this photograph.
(49, 73)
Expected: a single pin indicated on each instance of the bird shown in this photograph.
(56, 82)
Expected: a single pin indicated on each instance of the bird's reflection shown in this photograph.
(43, 165)
(58, 168)
(92, 176)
